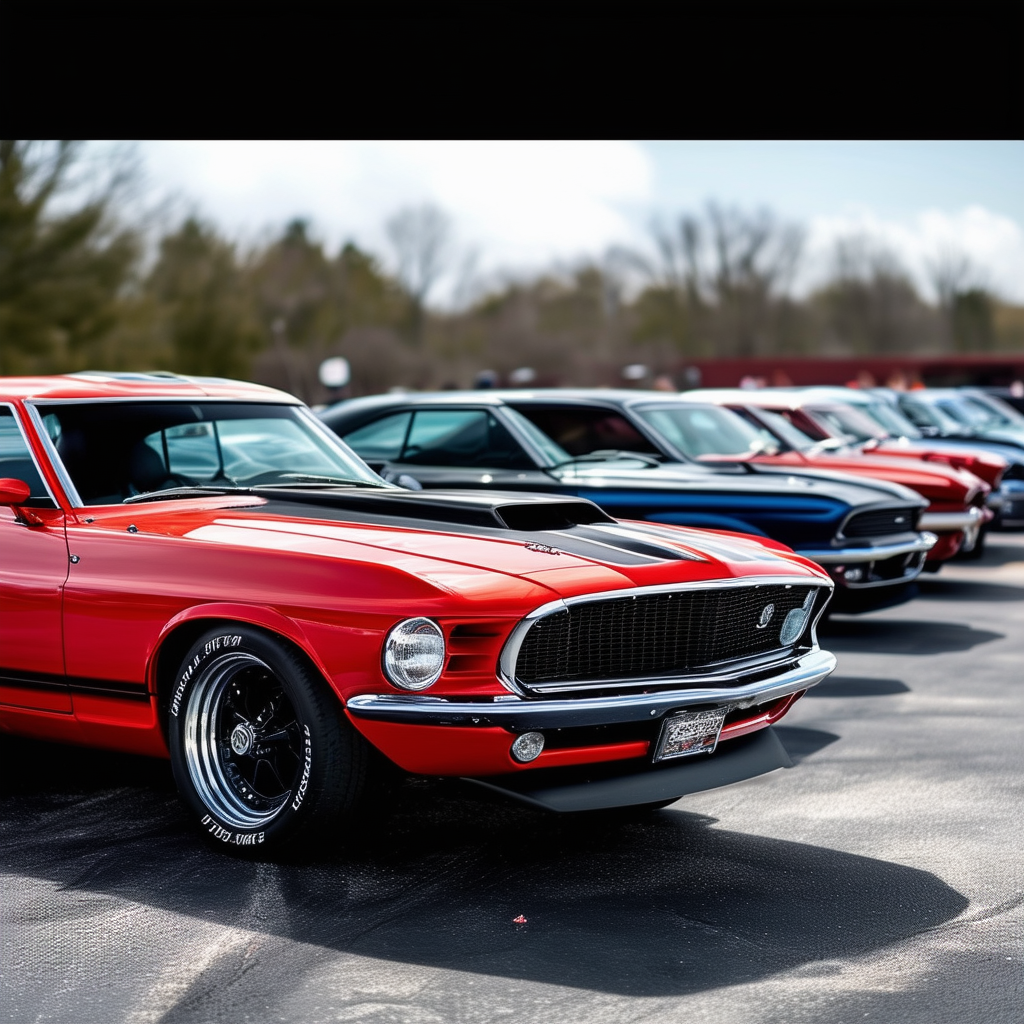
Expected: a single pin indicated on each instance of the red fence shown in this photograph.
(896, 371)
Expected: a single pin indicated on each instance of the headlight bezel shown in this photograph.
(401, 636)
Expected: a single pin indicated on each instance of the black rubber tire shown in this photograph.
(979, 547)
(305, 768)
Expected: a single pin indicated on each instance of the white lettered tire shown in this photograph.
(260, 748)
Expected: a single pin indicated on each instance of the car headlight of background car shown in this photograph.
(414, 654)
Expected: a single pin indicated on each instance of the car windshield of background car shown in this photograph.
(923, 414)
(848, 422)
(784, 430)
(890, 419)
(583, 430)
(116, 450)
(703, 432)
(966, 415)
(1002, 414)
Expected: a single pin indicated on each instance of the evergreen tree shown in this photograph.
(62, 273)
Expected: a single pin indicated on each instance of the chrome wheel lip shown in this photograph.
(202, 745)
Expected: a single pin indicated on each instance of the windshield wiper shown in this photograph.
(197, 491)
(610, 455)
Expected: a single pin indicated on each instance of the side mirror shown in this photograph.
(15, 493)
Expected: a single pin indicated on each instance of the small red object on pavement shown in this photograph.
(519, 920)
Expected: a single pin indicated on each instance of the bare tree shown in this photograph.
(421, 238)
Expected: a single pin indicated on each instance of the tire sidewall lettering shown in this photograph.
(307, 765)
(217, 643)
(225, 835)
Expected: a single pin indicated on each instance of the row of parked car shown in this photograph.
(200, 570)
(875, 486)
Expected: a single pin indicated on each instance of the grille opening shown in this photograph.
(881, 522)
(663, 634)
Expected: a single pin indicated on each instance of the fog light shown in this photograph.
(796, 620)
(853, 575)
(528, 746)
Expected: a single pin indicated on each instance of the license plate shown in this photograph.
(690, 732)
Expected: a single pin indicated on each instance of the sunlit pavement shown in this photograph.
(879, 879)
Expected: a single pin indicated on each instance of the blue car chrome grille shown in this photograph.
(882, 522)
(653, 635)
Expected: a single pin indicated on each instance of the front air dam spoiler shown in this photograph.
(592, 788)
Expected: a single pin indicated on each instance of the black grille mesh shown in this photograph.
(655, 634)
(880, 522)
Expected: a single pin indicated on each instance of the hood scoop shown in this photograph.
(495, 510)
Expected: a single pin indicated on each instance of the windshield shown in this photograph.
(1001, 414)
(705, 431)
(847, 423)
(118, 450)
(555, 453)
(923, 414)
(784, 430)
(965, 414)
(890, 418)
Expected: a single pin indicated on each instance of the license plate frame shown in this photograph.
(688, 733)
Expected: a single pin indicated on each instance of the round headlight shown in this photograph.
(414, 654)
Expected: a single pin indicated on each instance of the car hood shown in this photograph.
(935, 481)
(456, 540)
(747, 478)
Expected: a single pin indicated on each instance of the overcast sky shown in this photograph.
(525, 205)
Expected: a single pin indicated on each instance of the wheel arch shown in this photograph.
(184, 629)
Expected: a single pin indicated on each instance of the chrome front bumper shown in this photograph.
(875, 553)
(519, 715)
(941, 521)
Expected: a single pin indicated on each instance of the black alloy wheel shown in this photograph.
(259, 746)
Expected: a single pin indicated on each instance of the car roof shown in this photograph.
(103, 385)
(502, 396)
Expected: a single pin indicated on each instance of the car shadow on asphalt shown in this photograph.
(968, 590)
(901, 636)
(448, 876)
(857, 686)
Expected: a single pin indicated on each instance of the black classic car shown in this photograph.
(864, 533)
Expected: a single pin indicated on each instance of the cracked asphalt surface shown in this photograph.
(879, 879)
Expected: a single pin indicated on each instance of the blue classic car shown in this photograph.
(864, 533)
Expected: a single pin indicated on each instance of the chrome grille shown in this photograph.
(881, 522)
(658, 634)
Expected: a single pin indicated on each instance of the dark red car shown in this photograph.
(199, 569)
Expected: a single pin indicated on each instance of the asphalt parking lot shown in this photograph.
(882, 878)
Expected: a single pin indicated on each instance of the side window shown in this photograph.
(16, 460)
(582, 431)
(464, 438)
(381, 440)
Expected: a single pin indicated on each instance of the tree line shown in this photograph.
(82, 287)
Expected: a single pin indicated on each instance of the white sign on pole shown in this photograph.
(335, 372)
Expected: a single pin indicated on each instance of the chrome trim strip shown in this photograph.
(555, 714)
(832, 556)
(510, 652)
(31, 453)
(950, 520)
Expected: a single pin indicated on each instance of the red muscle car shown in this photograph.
(957, 496)
(198, 569)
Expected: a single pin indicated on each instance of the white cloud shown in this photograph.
(522, 204)
(994, 244)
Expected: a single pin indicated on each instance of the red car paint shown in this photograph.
(99, 602)
(948, 488)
